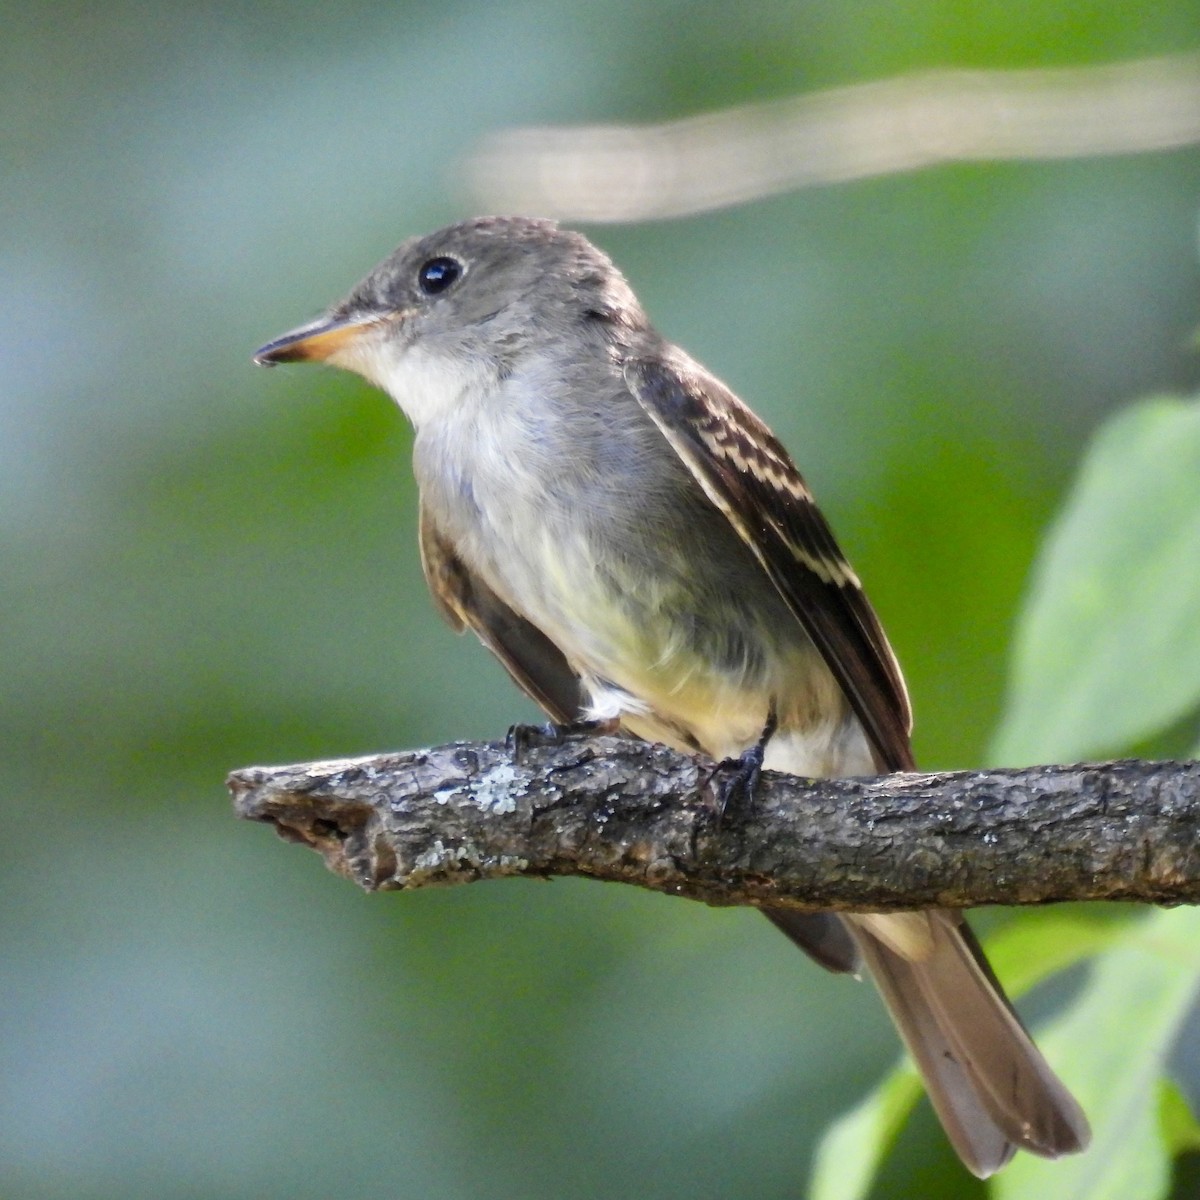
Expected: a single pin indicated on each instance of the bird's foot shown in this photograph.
(735, 780)
(523, 738)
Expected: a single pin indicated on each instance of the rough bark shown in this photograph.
(625, 811)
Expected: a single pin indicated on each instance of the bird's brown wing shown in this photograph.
(989, 1084)
(748, 475)
(536, 665)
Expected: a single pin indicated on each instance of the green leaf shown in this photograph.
(1041, 942)
(1111, 1047)
(1108, 648)
(1176, 1121)
(850, 1153)
(1024, 953)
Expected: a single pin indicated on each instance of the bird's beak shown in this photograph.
(318, 341)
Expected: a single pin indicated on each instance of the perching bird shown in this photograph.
(636, 546)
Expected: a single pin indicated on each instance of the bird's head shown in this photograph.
(483, 291)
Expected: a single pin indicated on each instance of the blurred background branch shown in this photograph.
(675, 168)
(630, 812)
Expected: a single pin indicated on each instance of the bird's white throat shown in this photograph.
(427, 385)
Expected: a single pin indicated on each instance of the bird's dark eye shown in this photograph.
(438, 274)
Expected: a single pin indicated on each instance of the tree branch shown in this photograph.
(880, 127)
(626, 811)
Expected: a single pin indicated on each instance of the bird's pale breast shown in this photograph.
(605, 541)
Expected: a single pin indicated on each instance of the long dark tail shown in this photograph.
(989, 1083)
(990, 1086)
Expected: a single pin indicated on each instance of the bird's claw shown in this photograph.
(735, 780)
(523, 738)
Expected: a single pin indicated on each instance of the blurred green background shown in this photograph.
(207, 566)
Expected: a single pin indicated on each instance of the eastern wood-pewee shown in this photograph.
(636, 546)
